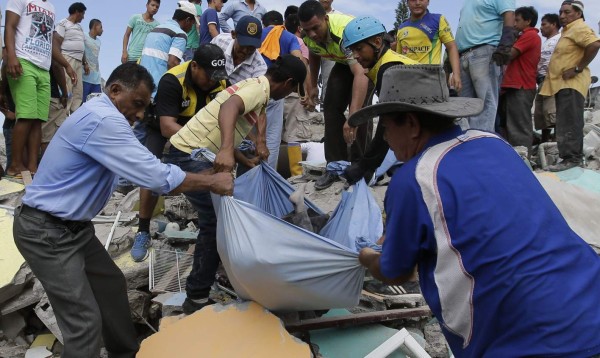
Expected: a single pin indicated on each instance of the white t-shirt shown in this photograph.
(33, 41)
(547, 51)
(73, 44)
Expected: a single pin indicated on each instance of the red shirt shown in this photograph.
(521, 71)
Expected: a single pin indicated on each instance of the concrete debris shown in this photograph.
(257, 332)
(136, 273)
(12, 325)
(14, 273)
(30, 296)
(170, 303)
(10, 189)
(139, 303)
(12, 350)
(436, 345)
(45, 313)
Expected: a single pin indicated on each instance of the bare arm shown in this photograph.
(315, 67)
(261, 141)
(455, 64)
(308, 103)
(13, 67)
(228, 114)
(514, 53)
(173, 61)
(125, 43)
(360, 87)
(212, 29)
(509, 18)
(168, 126)
(371, 259)
(57, 56)
(219, 183)
(61, 80)
(589, 54)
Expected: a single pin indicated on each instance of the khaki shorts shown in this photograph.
(56, 118)
(544, 115)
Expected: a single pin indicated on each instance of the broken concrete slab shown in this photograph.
(10, 189)
(14, 272)
(139, 303)
(436, 347)
(170, 303)
(31, 295)
(12, 351)
(136, 273)
(45, 313)
(179, 237)
(12, 325)
(257, 332)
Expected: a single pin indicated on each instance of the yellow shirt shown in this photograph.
(202, 130)
(422, 40)
(569, 50)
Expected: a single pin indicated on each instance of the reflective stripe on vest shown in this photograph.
(455, 285)
(333, 50)
(188, 95)
(388, 57)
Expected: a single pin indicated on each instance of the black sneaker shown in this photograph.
(325, 181)
(190, 306)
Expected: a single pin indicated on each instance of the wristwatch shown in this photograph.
(578, 70)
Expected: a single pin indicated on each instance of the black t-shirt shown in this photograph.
(169, 101)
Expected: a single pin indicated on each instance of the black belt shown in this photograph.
(470, 49)
(72, 225)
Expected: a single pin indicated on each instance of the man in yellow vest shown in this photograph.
(182, 91)
(364, 36)
(347, 84)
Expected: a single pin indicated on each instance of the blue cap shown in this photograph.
(248, 31)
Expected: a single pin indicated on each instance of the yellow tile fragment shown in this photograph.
(10, 258)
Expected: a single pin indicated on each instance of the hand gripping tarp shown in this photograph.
(284, 267)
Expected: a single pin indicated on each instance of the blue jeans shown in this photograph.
(206, 257)
(8, 142)
(90, 88)
(274, 130)
(481, 78)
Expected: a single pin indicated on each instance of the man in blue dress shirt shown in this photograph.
(77, 175)
(235, 10)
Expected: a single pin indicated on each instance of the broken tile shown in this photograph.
(9, 189)
(44, 340)
(14, 273)
(170, 303)
(45, 313)
(38, 352)
(257, 332)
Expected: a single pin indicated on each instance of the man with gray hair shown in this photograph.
(53, 228)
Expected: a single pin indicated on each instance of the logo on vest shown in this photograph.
(252, 29)
(185, 104)
(218, 63)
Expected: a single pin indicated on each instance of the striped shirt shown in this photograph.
(254, 66)
(164, 40)
(203, 131)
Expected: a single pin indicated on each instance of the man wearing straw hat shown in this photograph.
(498, 264)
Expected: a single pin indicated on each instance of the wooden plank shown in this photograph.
(357, 319)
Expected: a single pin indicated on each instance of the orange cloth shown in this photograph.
(270, 47)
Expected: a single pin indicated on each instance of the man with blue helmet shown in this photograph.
(364, 36)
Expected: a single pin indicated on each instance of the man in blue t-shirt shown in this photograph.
(209, 22)
(498, 265)
(276, 41)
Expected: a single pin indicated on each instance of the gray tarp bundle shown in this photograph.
(282, 266)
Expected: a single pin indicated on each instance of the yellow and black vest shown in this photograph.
(333, 50)
(389, 56)
(189, 100)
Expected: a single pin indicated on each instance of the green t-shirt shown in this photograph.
(193, 38)
(139, 30)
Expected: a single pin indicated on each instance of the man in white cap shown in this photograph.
(500, 286)
(568, 80)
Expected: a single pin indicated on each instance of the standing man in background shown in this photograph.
(238, 9)
(138, 27)
(544, 116)
(193, 37)
(71, 39)
(92, 80)
(209, 22)
(484, 47)
(569, 80)
(326, 65)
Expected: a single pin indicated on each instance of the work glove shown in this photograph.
(502, 54)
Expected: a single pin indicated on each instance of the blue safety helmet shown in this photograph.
(360, 29)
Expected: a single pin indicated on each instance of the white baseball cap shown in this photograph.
(188, 7)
